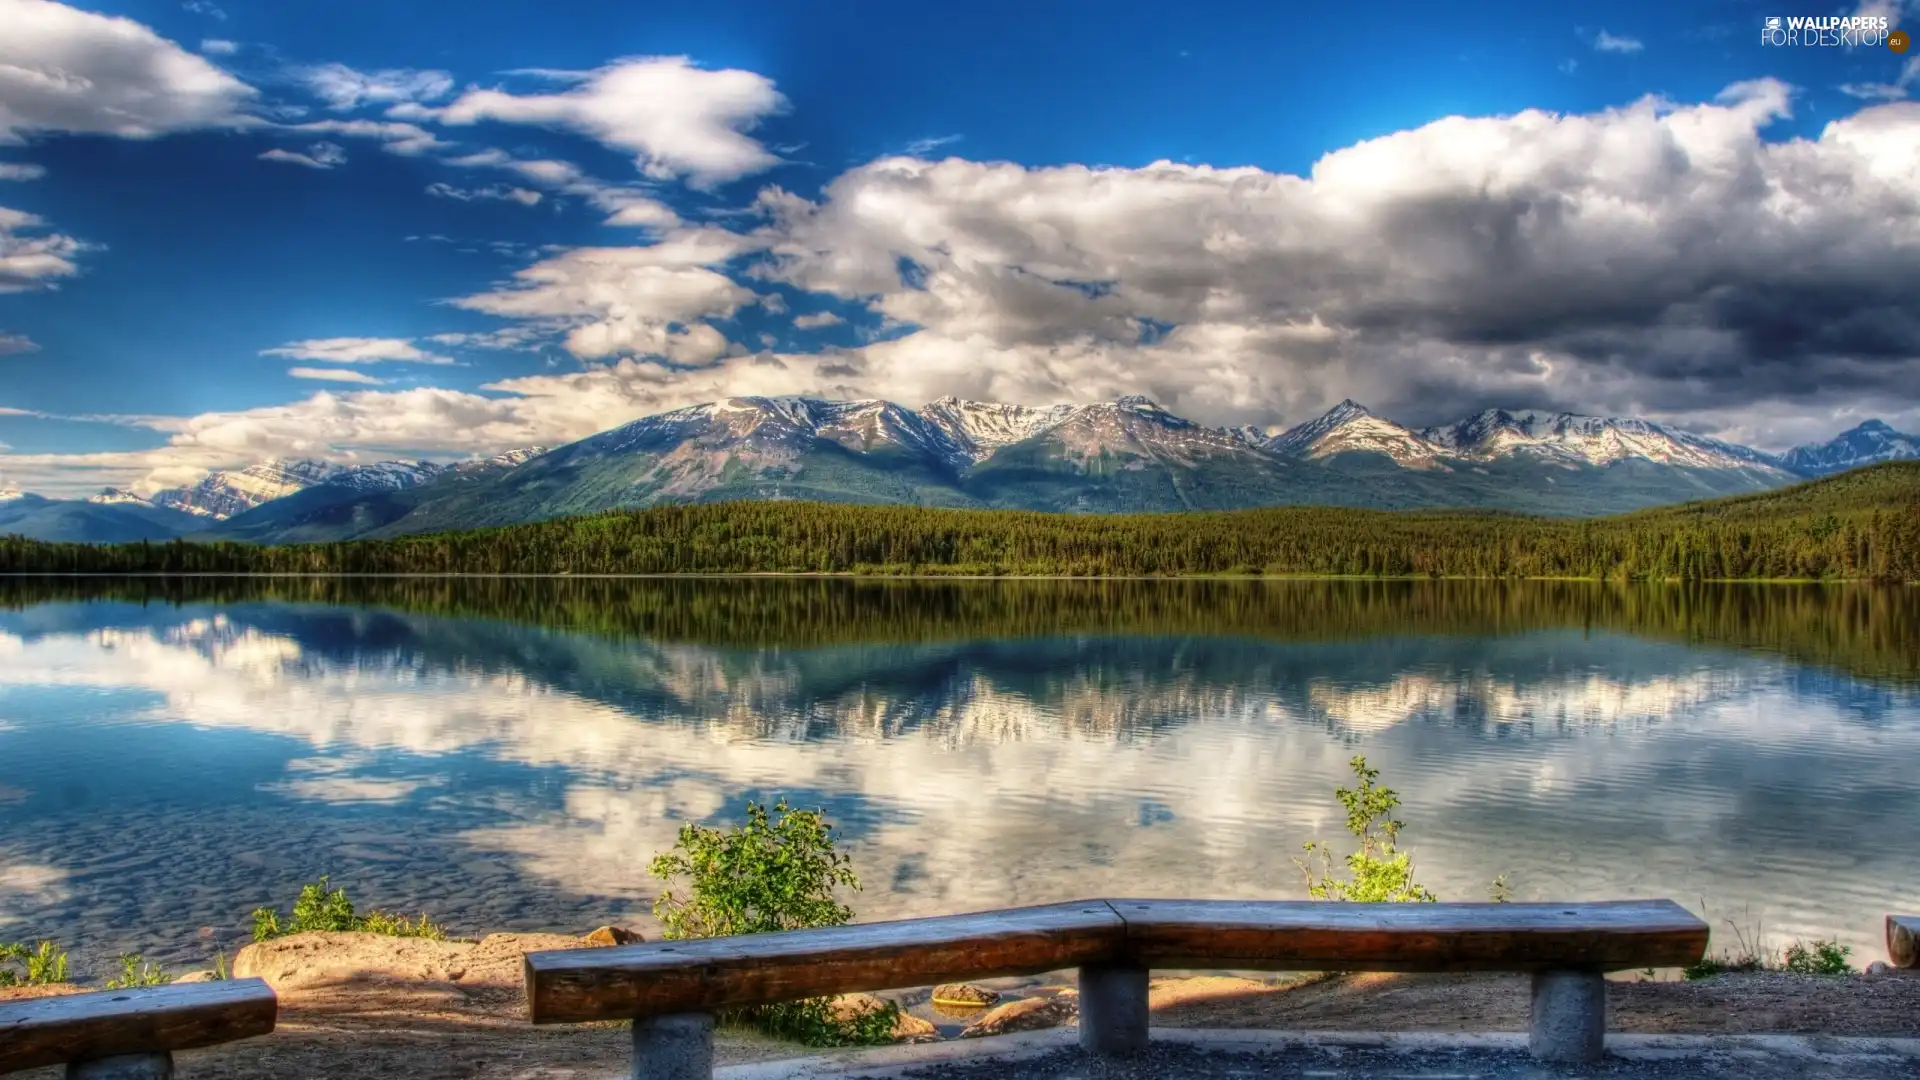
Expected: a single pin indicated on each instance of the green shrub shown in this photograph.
(317, 909)
(1819, 958)
(136, 972)
(1379, 870)
(778, 871)
(41, 965)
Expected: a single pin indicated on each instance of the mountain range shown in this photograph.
(1125, 455)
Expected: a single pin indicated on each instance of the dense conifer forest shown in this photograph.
(1862, 525)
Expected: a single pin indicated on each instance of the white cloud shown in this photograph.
(816, 320)
(923, 147)
(1902, 85)
(16, 344)
(31, 256)
(20, 170)
(626, 205)
(356, 350)
(219, 46)
(498, 192)
(677, 120)
(321, 155)
(339, 375)
(1615, 43)
(344, 88)
(396, 138)
(651, 300)
(205, 7)
(64, 69)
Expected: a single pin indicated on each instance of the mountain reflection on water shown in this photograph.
(507, 754)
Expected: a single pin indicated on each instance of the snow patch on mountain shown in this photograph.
(1866, 444)
(1588, 440)
(1350, 428)
(978, 428)
(116, 496)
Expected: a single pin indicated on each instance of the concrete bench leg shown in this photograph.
(676, 1047)
(1569, 1022)
(124, 1067)
(1113, 1009)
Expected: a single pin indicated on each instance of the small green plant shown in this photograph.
(317, 909)
(1380, 871)
(1499, 891)
(778, 871)
(1745, 954)
(1818, 958)
(220, 967)
(136, 972)
(42, 965)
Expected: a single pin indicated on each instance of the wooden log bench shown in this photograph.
(672, 989)
(131, 1034)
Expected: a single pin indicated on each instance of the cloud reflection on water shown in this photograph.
(967, 774)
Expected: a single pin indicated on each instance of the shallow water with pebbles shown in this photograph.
(166, 767)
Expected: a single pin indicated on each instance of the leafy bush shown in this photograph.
(42, 965)
(778, 871)
(1818, 958)
(318, 909)
(136, 972)
(1380, 871)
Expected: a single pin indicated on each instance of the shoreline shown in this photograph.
(849, 575)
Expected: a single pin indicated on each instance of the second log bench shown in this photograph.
(131, 1034)
(671, 990)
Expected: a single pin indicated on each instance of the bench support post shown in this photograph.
(124, 1067)
(674, 1047)
(1113, 1009)
(1569, 1022)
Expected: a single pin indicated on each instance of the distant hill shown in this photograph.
(111, 517)
(1863, 524)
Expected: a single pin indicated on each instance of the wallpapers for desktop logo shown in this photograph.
(1843, 31)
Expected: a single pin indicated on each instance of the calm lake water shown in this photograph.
(508, 754)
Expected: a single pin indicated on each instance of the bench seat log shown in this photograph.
(1903, 940)
(114, 1024)
(1315, 935)
(672, 988)
(709, 974)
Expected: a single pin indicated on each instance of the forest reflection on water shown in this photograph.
(506, 753)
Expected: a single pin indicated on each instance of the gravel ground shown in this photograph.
(1170, 1062)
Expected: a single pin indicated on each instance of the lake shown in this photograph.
(508, 754)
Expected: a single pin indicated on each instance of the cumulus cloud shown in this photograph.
(343, 88)
(63, 69)
(652, 300)
(16, 344)
(1616, 43)
(626, 205)
(816, 320)
(339, 375)
(497, 192)
(356, 350)
(677, 120)
(20, 170)
(219, 46)
(321, 155)
(32, 256)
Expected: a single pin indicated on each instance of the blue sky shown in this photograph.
(359, 230)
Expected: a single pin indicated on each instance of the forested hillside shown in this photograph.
(1859, 525)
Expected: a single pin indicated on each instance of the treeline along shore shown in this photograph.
(1862, 525)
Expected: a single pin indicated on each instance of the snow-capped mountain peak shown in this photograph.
(112, 496)
(978, 428)
(1864, 444)
(1573, 439)
(1350, 427)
